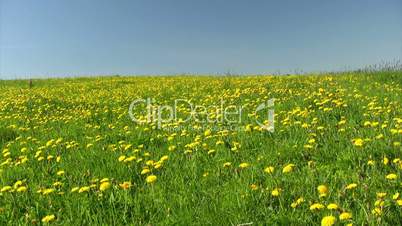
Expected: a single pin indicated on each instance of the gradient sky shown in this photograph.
(48, 38)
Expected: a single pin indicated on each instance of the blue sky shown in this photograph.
(47, 38)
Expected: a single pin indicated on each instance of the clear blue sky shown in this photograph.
(69, 37)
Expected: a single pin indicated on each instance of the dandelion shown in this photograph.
(376, 211)
(385, 160)
(211, 152)
(75, 189)
(48, 218)
(297, 202)
(158, 165)
(345, 216)
(125, 185)
(317, 206)
(288, 168)
(332, 206)
(351, 186)
(84, 189)
(322, 190)
(129, 159)
(276, 192)
(358, 142)
(269, 169)
(244, 165)
(328, 221)
(164, 158)
(150, 179)
(227, 164)
(104, 186)
(60, 173)
(391, 176)
(17, 184)
(48, 191)
(381, 195)
(172, 148)
(121, 158)
(22, 189)
(145, 171)
(57, 184)
(254, 187)
(379, 203)
(395, 196)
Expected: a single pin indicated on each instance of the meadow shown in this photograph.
(71, 154)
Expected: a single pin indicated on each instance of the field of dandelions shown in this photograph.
(71, 155)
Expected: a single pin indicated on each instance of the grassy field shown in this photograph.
(71, 155)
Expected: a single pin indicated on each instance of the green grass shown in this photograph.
(91, 117)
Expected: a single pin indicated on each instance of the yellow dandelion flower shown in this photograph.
(379, 203)
(104, 186)
(269, 169)
(385, 160)
(210, 152)
(125, 185)
(276, 192)
(288, 168)
(121, 158)
(22, 189)
(317, 206)
(48, 218)
(254, 187)
(351, 186)
(395, 196)
(145, 171)
(297, 202)
(345, 216)
(227, 164)
(376, 211)
(129, 159)
(84, 189)
(391, 176)
(172, 148)
(358, 142)
(244, 165)
(332, 206)
(164, 158)
(381, 195)
(48, 191)
(328, 221)
(157, 165)
(149, 162)
(60, 173)
(150, 179)
(17, 184)
(104, 180)
(322, 190)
